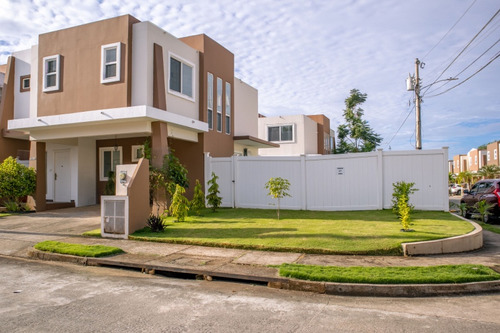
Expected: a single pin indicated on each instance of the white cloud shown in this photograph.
(305, 56)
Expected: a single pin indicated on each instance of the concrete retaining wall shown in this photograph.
(469, 242)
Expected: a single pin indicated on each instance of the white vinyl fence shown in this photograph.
(360, 181)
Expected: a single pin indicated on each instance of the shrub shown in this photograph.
(16, 180)
(180, 204)
(155, 223)
(198, 202)
(402, 191)
(213, 198)
(110, 188)
(483, 208)
(400, 202)
(278, 188)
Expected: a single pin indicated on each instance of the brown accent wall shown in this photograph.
(323, 131)
(80, 49)
(9, 146)
(190, 155)
(159, 95)
(38, 162)
(126, 145)
(216, 59)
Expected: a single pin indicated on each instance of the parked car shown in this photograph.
(486, 189)
(456, 189)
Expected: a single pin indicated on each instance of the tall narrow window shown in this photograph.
(110, 62)
(219, 104)
(109, 158)
(181, 77)
(51, 73)
(210, 100)
(228, 108)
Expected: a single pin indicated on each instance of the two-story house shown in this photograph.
(87, 98)
(492, 151)
(297, 135)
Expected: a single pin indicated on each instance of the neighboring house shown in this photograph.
(86, 98)
(492, 153)
(451, 166)
(297, 135)
(476, 159)
(2, 78)
(460, 163)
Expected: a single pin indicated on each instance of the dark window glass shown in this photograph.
(273, 133)
(286, 133)
(175, 75)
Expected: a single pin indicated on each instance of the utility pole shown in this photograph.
(418, 122)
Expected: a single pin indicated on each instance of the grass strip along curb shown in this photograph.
(390, 275)
(78, 249)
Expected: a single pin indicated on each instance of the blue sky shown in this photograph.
(305, 56)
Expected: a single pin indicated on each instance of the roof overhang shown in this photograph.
(247, 140)
(118, 121)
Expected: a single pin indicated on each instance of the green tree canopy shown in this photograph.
(355, 135)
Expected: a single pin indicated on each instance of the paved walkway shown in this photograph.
(19, 233)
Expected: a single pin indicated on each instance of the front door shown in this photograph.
(62, 176)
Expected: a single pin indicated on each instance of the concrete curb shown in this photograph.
(463, 243)
(330, 288)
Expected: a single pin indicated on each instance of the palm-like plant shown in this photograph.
(489, 171)
(465, 177)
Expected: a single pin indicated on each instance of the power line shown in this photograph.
(463, 50)
(480, 69)
(468, 66)
(404, 121)
(446, 34)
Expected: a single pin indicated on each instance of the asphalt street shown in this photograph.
(57, 297)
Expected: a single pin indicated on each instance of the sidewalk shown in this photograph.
(18, 235)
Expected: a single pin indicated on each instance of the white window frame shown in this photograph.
(228, 109)
(102, 177)
(117, 62)
(57, 58)
(495, 155)
(135, 149)
(193, 75)
(280, 126)
(210, 99)
(219, 105)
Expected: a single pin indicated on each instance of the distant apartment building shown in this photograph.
(87, 98)
(476, 159)
(460, 163)
(492, 151)
(297, 135)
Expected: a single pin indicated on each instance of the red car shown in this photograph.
(486, 189)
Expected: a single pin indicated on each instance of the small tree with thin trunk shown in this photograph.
(278, 188)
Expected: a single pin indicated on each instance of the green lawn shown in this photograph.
(77, 249)
(353, 232)
(390, 275)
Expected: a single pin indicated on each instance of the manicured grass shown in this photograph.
(353, 232)
(78, 249)
(490, 227)
(93, 233)
(390, 275)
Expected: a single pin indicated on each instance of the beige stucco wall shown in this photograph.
(246, 109)
(145, 35)
(305, 135)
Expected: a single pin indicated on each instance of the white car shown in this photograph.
(456, 189)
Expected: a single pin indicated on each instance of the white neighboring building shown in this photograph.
(297, 135)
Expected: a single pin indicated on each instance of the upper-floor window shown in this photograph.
(110, 62)
(25, 83)
(280, 133)
(181, 78)
(210, 100)
(228, 108)
(51, 72)
(475, 159)
(488, 155)
(495, 156)
(219, 104)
